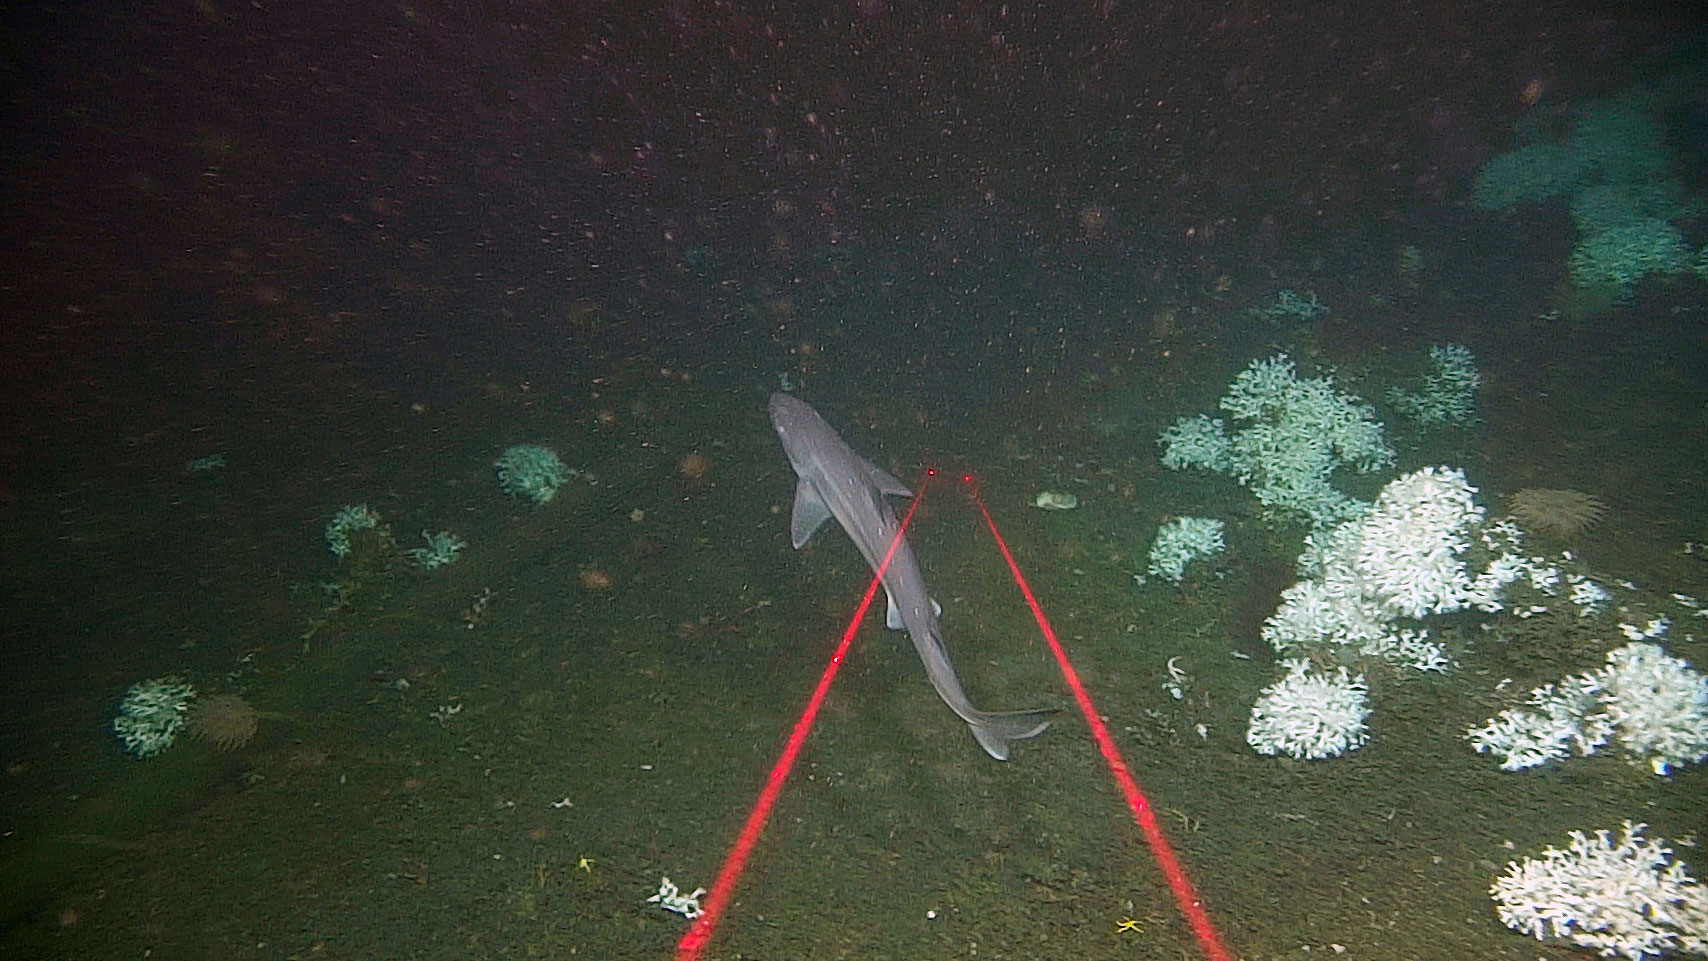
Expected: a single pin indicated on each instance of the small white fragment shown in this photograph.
(1055, 501)
(670, 899)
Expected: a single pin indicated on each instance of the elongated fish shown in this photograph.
(833, 481)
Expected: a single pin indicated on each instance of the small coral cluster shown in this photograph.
(531, 471)
(1448, 394)
(152, 714)
(524, 470)
(1181, 540)
(1289, 306)
(1199, 441)
(349, 519)
(1627, 898)
(1654, 703)
(1306, 715)
(442, 548)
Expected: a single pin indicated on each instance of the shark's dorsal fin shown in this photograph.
(886, 481)
(810, 514)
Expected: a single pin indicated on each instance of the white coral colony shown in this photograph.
(1654, 704)
(1627, 898)
(1309, 716)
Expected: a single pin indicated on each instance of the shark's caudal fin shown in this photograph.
(994, 731)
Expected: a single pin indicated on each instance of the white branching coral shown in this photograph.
(1423, 548)
(1307, 715)
(1405, 558)
(1411, 545)
(1627, 898)
(1658, 705)
(1654, 704)
(1449, 392)
(1199, 441)
(1564, 722)
(1181, 540)
(1293, 433)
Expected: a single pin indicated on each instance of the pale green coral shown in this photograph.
(1296, 432)
(1449, 392)
(1529, 174)
(1615, 259)
(1621, 204)
(1288, 305)
(531, 471)
(349, 519)
(442, 548)
(151, 715)
(1196, 442)
(1617, 174)
(1619, 140)
(1181, 540)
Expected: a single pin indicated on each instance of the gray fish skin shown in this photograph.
(833, 481)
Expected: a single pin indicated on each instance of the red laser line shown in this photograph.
(1208, 941)
(735, 862)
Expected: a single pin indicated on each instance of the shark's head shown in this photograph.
(796, 423)
(797, 426)
(790, 414)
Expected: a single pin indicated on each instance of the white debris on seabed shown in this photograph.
(1627, 899)
(1055, 501)
(1306, 715)
(670, 899)
(1656, 627)
(1177, 681)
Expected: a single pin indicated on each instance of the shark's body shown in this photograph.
(836, 482)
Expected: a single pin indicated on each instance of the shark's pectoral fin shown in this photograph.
(885, 481)
(892, 617)
(810, 514)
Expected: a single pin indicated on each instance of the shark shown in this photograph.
(833, 481)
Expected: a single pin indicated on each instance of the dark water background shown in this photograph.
(359, 251)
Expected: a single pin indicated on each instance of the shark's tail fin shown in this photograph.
(995, 730)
